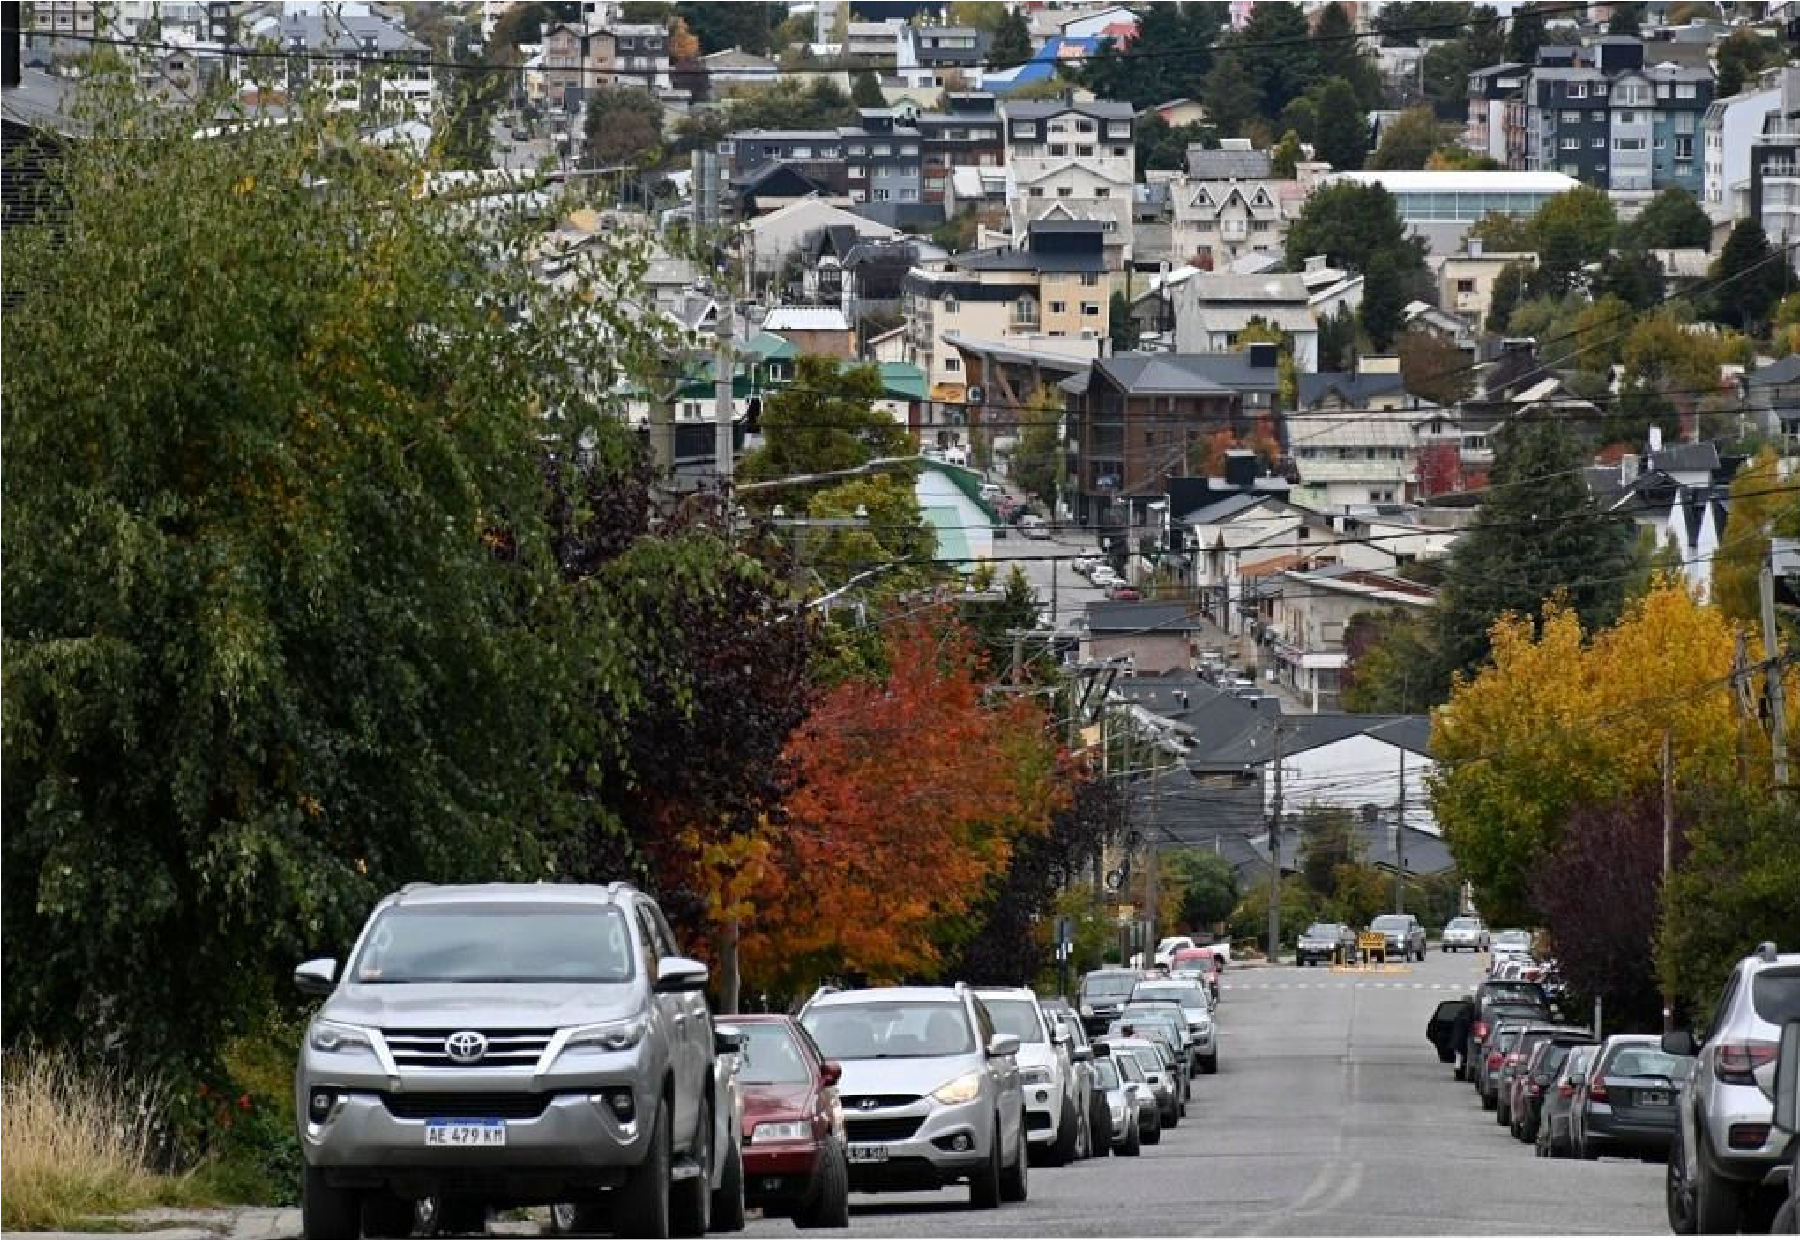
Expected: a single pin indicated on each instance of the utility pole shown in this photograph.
(1776, 690)
(1275, 859)
(1668, 851)
(1153, 880)
(1400, 841)
(724, 452)
(1018, 655)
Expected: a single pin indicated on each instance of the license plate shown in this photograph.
(868, 1153)
(465, 1132)
(1653, 1098)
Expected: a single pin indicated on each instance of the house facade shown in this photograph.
(1072, 160)
(1311, 613)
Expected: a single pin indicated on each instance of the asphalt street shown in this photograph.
(1330, 1115)
(1064, 593)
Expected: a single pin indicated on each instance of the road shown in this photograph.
(1329, 1116)
(1055, 582)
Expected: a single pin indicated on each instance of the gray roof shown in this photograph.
(1099, 109)
(345, 32)
(42, 101)
(1688, 456)
(1354, 389)
(1183, 373)
(1139, 618)
(1028, 260)
(1222, 509)
(1787, 370)
(1209, 164)
(1255, 746)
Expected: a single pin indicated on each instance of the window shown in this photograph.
(1059, 307)
(1036, 191)
(1086, 151)
(911, 148)
(1571, 118)
(1685, 90)
(1118, 129)
(882, 195)
(1684, 148)
(1023, 129)
(950, 304)
(1090, 279)
(1103, 192)
(1120, 152)
(1465, 286)
(1599, 144)
(1684, 122)
(1058, 148)
(1599, 90)
(1090, 309)
(1065, 191)
(858, 172)
(909, 194)
(881, 148)
(1628, 117)
(1599, 118)
(1628, 144)
(1662, 90)
(1577, 90)
(1568, 144)
(953, 363)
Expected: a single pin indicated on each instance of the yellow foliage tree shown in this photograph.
(1762, 504)
(1560, 721)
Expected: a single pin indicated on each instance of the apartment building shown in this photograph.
(1728, 130)
(1775, 169)
(1072, 161)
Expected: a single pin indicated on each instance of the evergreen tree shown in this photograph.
(1538, 534)
(1753, 277)
(1337, 342)
(1626, 19)
(1121, 327)
(1350, 223)
(1340, 55)
(1012, 41)
(1284, 160)
(865, 91)
(1408, 140)
(1526, 35)
(1484, 46)
(1633, 276)
(1232, 99)
(1277, 55)
(1383, 300)
(1670, 221)
(1343, 136)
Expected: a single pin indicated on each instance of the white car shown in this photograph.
(1509, 945)
(1165, 950)
(1083, 564)
(1103, 575)
(1465, 934)
(1056, 1113)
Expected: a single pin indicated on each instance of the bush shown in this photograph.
(79, 1141)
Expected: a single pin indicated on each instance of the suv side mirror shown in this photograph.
(679, 975)
(1002, 1044)
(1787, 1079)
(831, 1072)
(1102, 1050)
(316, 977)
(1081, 1054)
(1680, 1042)
(727, 1040)
(1059, 1035)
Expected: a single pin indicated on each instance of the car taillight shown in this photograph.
(1493, 1060)
(1738, 1060)
(1597, 1091)
(1480, 1031)
(1747, 1136)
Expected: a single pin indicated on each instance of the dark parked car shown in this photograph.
(1536, 1077)
(1405, 936)
(1513, 1066)
(1104, 993)
(1496, 1001)
(1325, 941)
(1553, 1124)
(1501, 1039)
(1627, 1105)
(795, 1165)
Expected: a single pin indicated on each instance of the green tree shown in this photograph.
(1012, 40)
(1284, 160)
(749, 27)
(264, 619)
(1739, 56)
(1626, 19)
(1300, 906)
(865, 91)
(1383, 301)
(1342, 139)
(1232, 98)
(1207, 887)
(1278, 56)
(1586, 214)
(1752, 278)
(624, 126)
(1434, 369)
(1339, 52)
(1509, 286)
(1539, 534)
(1525, 35)
(1408, 140)
(1328, 841)
(1351, 223)
(1038, 460)
(791, 104)
(1337, 341)
(1631, 276)
(1121, 327)
(826, 420)
(1503, 233)
(1670, 221)
(1391, 655)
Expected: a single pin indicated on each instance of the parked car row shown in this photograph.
(1327, 942)
(1702, 1105)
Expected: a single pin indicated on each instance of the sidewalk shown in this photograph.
(240, 1223)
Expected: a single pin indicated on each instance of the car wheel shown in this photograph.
(1210, 1064)
(728, 1200)
(1718, 1202)
(1133, 1145)
(690, 1213)
(1100, 1127)
(1488, 1101)
(457, 1216)
(1503, 1113)
(1678, 1194)
(984, 1185)
(828, 1205)
(1068, 1137)
(1153, 1134)
(386, 1215)
(1787, 1219)
(328, 1213)
(641, 1204)
(1015, 1181)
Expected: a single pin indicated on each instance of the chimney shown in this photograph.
(1240, 468)
(1264, 356)
(1474, 247)
(11, 74)
(1628, 469)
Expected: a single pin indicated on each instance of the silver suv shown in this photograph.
(930, 1090)
(510, 1045)
(1056, 1107)
(1405, 936)
(1727, 1156)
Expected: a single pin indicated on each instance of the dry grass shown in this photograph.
(75, 1142)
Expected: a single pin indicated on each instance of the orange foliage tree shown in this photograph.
(912, 792)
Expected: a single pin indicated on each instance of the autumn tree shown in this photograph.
(1408, 140)
(1763, 503)
(909, 776)
(623, 126)
(1391, 660)
(1566, 718)
(1433, 368)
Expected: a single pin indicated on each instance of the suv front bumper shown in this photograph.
(928, 1158)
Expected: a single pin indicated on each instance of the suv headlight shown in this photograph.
(612, 1035)
(1035, 1076)
(329, 1037)
(965, 1088)
(790, 1130)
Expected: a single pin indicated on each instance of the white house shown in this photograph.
(1352, 761)
(771, 238)
(1310, 612)
(1078, 158)
(1729, 129)
(1212, 308)
(1224, 220)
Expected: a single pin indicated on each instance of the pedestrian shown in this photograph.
(1459, 1035)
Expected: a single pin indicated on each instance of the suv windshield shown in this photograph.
(1018, 1017)
(576, 943)
(909, 1030)
(1463, 923)
(1391, 921)
(1108, 985)
(1186, 996)
(1775, 994)
(1513, 938)
(769, 1057)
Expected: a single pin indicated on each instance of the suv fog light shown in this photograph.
(1747, 1136)
(619, 1101)
(319, 1104)
(961, 1143)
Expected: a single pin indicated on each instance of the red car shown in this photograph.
(795, 1164)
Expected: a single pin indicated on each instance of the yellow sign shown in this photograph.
(1372, 941)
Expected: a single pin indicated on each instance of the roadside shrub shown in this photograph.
(79, 1141)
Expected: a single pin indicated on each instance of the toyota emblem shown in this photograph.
(466, 1046)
